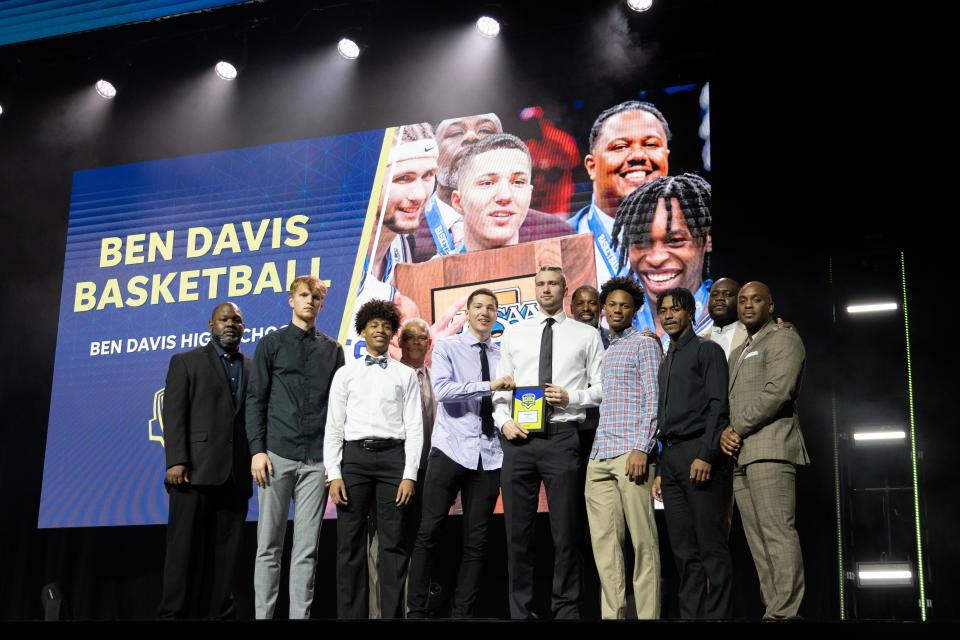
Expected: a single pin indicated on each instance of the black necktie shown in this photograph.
(546, 352)
(486, 402)
(546, 359)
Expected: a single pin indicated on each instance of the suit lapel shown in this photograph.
(754, 344)
(739, 335)
(243, 384)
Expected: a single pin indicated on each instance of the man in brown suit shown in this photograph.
(764, 436)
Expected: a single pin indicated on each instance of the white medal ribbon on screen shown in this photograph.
(604, 243)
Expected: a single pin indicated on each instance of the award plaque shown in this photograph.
(529, 408)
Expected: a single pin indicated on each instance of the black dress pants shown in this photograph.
(696, 526)
(478, 490)
(371, 479)
(554, 459)
(203, 547)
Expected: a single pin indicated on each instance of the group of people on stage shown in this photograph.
(392, 439)
(686, 392)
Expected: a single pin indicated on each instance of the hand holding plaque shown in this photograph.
(556, 396)
(529, 404)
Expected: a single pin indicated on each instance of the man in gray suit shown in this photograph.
(764, 436)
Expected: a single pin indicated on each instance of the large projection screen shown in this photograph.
(152, 247)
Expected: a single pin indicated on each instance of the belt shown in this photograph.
(377, 444)
(554, 428)
(670, 440)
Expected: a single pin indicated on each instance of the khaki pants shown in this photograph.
(612, 500)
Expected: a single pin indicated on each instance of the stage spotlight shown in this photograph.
(226, 71)
(872, 307)
(348, 49)
(865, 436)
(639, 5)
(106, 90)
(884, 574)
(488, 27)
(1, 109)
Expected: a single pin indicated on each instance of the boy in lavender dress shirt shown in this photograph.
(465, 455)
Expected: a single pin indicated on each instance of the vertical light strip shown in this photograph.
(841, 574)
(913, 445)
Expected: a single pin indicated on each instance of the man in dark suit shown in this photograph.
(208, 471)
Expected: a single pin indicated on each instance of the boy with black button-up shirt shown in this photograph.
(290, 381)
(694, 478)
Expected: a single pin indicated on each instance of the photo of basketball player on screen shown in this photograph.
(409, 182)
(493, 191)
(441, 229)
(665, 227)
(668, 245)
(482, 199)
(628, 147)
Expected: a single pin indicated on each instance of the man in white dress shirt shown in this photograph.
(372, 448)
(550, 350)
(415, 343)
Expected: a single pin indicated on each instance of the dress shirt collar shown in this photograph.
(626, 333)
(683, 341)
(364, 352)
(764, 330)
(300, 333)
(221, 352)
(726, 329)
(559, 317)
(468, 338)
(422, 368)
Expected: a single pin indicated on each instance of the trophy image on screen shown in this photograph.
(437, 285)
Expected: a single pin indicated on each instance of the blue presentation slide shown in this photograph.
(151, 249)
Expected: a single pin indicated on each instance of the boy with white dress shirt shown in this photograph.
(372, 449)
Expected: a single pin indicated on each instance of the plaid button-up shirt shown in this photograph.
(628, 413)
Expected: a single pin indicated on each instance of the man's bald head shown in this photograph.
(755, 306)
(224, 305)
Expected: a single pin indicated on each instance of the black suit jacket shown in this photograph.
(203, 427)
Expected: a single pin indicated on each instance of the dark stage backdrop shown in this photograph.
(802, 163)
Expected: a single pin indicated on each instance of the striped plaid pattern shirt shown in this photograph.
(628, 413)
